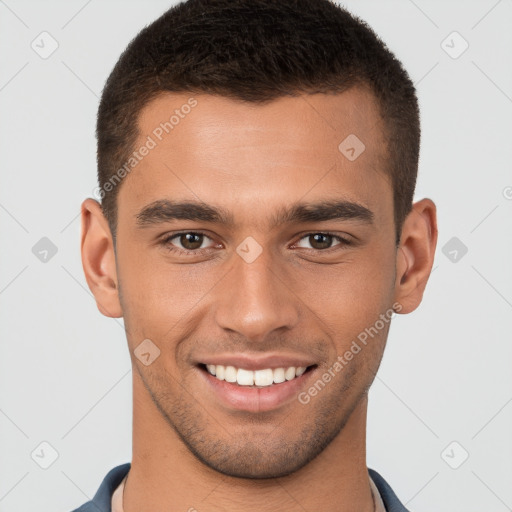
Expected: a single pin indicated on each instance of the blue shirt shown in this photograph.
(103, 498)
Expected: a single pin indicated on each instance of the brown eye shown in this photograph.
(191, 241)
(323, 241)
(187, 242)
(320, 241)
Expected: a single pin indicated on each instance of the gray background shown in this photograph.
(446, 374)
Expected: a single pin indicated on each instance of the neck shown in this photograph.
(165, 475)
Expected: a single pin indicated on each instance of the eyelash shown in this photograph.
(187, 252)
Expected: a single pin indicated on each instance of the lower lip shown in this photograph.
(251, 399)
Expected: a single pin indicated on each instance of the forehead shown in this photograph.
(251, 158)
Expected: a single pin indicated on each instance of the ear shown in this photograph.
(415, 255)
(98, 259)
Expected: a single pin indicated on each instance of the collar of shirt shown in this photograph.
(117, 497)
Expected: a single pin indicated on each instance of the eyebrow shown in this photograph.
(165, 210)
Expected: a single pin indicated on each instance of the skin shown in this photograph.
(189, 451)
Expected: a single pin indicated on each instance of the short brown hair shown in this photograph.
(257, 51)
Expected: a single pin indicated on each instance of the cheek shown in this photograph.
(349, 299)
(158, 297)
(360, 284)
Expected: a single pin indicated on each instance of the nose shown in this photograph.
(255, 299)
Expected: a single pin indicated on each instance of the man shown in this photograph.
(257, 163)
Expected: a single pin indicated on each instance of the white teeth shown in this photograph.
(289, 374)
(265, 377)
(279, 375)
(299, 371)
(230, 374)
(245, 377)
(219, 371)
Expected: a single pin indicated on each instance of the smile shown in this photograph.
(258, 390)
(257, 378)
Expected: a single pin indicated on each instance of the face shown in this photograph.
(248, 239)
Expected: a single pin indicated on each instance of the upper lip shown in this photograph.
(258, 362)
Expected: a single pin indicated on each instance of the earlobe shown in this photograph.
(415, 255)
(98, 259)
